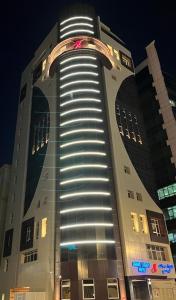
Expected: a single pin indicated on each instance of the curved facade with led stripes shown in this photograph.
(84, 223)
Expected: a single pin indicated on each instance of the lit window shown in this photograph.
(135, 223)
(172, 237)
(28, 234)
(44, 227)
(65, 290)
(3, 297)
(156, 252)
(116, 53)
(143, 222)
(88, 289)
(113, 289)
(29, 256)
(167, 191)
(155, 226)
(6, 263)
(139, 196)
(130, 194)
(126, 170)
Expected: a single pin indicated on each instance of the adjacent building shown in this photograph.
(85, 224)
(157, 92)
(5, 172)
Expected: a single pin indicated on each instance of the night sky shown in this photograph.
(24, 24)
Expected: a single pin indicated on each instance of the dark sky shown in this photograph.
(24, 24)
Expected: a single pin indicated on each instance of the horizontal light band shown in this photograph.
(86, 225)
(84, 179)
(78, 66)
(76, 24)
(79, 100)
(77, 31)
(77, 82)
(87, 242)
(77, 74)
(80, 91)
(86, 193)
(83, 166)
(80, 109)
(77, 57)
(92, 208)
(87, 153)
(81, 120)
(82, 130)
(82, 142)
(76, 18)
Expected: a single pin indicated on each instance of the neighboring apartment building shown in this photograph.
(85, 225)
(157, 91)
(5, 172)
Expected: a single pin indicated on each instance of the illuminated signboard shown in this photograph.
(80, 42)
(143, 267)
(165, 268)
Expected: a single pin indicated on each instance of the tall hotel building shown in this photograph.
(84, 223)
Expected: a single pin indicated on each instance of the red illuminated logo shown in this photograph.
(78, 44)
(154, 268)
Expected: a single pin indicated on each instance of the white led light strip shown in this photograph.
(80, 91)
(76, 24)
(83, 166)
(78, 66)
(87, 153)
(77, 31)
(77, 74)
(92, 208)
(77, 58)
(86, 193)
(76, 18)
(80, 109)
(82, 142)
(86, 225)
(78, 82)
(81, 120)
(87, 242)
(79, 100)
(81, 130)
(84, 179)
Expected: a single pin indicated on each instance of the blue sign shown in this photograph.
(141, 266)
(166, 268)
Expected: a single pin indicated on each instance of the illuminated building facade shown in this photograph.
(86, 226)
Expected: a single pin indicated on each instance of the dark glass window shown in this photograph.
(8, 243)
(23, 92)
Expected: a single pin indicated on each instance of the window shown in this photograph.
(171, 213)
(65, 289)
(155, 226)
(37, 231)
(23, 92)
(126, 61)
(143, 222)
(167, 191)
(130, 194)
(172, 237)
(88, 289)
(29, 256)
(6, 263)
(113, 289)
(126, 170)
(44, 227)
(135, 224)
(139, 196)
(3, 297)
(156, 252)
(28, 234)
(11, 218)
